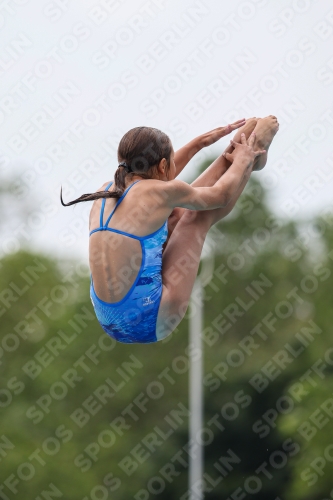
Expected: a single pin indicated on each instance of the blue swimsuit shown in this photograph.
(133, 318)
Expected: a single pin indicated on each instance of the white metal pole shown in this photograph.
(196, 393)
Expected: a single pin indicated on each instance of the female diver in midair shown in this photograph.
(145, 245)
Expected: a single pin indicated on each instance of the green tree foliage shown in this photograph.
(83, 417)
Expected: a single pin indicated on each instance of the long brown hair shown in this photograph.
(139, 152)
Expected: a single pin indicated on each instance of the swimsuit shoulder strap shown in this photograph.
(103, 205)
(119, 201)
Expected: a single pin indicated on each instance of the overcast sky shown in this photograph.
(77, 74)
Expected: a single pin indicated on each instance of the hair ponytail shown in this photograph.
(140, 151)
(119, 188)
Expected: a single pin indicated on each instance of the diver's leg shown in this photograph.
(180, 263)
(265, 130)
(212, 173)
(181, 256)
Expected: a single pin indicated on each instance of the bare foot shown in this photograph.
(247, 129)
(265, 131)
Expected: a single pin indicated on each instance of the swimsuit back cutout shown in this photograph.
(133, 318)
